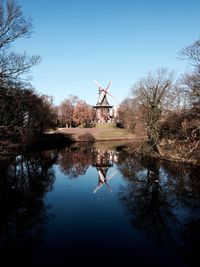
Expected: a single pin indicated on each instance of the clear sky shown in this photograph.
(119, 40)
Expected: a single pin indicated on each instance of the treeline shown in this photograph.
(74, 112)
(167, 110)
(24, 114)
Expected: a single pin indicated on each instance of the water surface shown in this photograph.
(98, 205)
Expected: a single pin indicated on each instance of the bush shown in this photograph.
(87, 137)
(180, 126)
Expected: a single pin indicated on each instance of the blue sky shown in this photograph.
(84, 40)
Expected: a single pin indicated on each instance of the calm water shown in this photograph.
(98, 206)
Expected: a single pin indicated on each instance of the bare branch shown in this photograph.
(192, 53)
(13, 24)
(13, 65)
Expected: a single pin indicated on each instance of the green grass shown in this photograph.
(106, 126)
(112, 134)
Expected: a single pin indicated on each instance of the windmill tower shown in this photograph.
(103, 108)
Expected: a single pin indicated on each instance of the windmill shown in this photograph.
(102, 107)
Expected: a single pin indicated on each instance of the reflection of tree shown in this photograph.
(24, 181)
(75, 160)
(162, 200)
(185, 189)
(145, 199)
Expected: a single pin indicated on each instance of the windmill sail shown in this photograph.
(103, 92)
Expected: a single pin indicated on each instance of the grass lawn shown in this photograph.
(100, 133)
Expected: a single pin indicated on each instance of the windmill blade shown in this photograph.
(109, 189)
(101, 176)
(108, 85)
(105, 182)
(100, 86)
(111, 95)
(100, 185)
(97, 188)
(111, 175)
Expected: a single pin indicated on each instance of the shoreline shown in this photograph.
(113, 137)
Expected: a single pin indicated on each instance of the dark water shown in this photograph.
(96, 206)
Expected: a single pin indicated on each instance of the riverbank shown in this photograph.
(184, 152)
(181, 152)
(61, 137)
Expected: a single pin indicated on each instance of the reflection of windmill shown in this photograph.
(103, 162)
(102, 107)
(103, 180)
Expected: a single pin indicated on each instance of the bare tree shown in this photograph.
(13, 25)
(13, 65)
(192, 81)
(153, 93)
(126, 114)
(65, 113)
(192, 86)
(23, 114)
(192, 53)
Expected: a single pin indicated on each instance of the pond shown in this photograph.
(98, 205)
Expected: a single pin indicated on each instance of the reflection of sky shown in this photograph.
(85, 184)
(75, 196)
(142, 175)
(78, 213)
